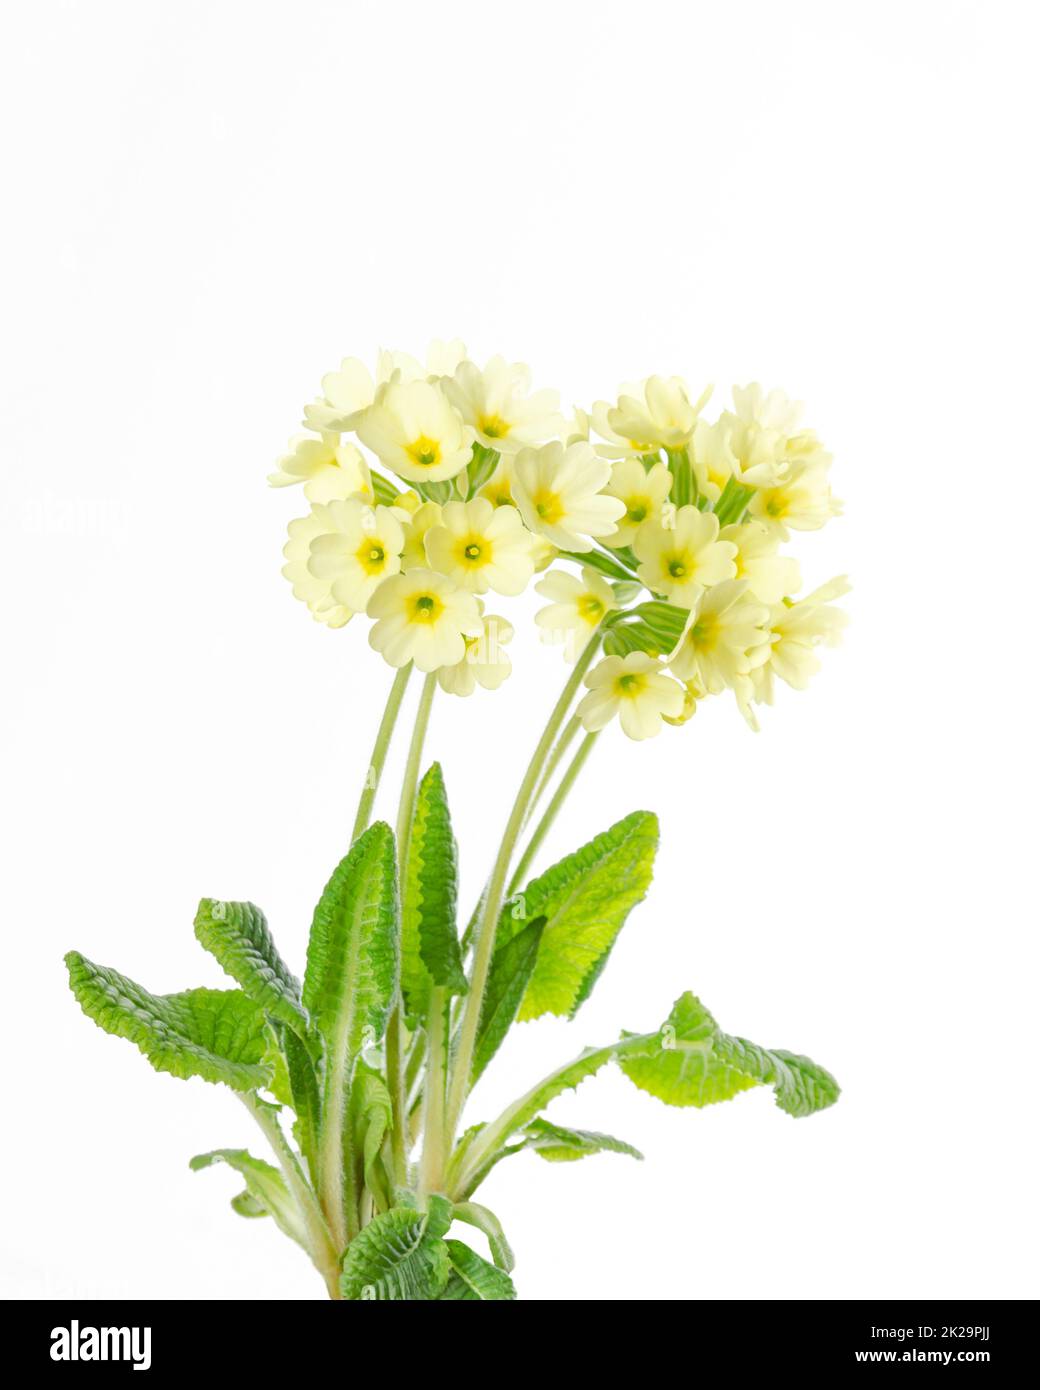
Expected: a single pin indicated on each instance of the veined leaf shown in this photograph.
(473, 1279)
(511, 968)
(238, 935)
(692, 1062)
(305, 1097)
(212, 1033)
(430, 952)
(350, 984)
(585, 900)
(559, 1145)
(371, 1113)
(395, 1258)
(352, 951)
(265, 1188)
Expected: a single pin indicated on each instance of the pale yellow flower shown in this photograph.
(497, 404)
(644, 493)
(559, 492)
(481, 546)
(776, 412)
(802, 502)
(636, 689)
(328, 470)
(485, 663)
(659, 414)
(726, 450)
(796, 628)
(420, 522)
(443, 358)
(360, 547)
(348, 392)
(612, 445)
(755, 443)
(576, 608)
(422, 617)
(499, 487)
(576, 429)
(682, 558)
(415, 430)
(770, 576)
(315, 593)
(725, 638)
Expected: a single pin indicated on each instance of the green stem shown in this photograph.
(379, 751)
(551, 811)
(469, 1167)
(484, 942)
(565, 740)
(434, 1155)
(321, 1248)
(395, 1042)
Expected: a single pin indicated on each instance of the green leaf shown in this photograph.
(265, 1188)
(692, 1062)
(238, 935)
(585, 900)
(430, 952)
(352, 951)
(351, 981)
(305, 1097)
(511, 969)
(559, 1145)
(481, 1147)
(484, 1219)
(371, 1113)
(473, 1279)
(212, 1033)
(395, 1258)
(245, 1204)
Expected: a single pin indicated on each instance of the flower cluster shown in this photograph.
(473, 484)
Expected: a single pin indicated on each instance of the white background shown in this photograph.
(207, 205)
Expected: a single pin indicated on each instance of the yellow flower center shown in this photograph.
(424, 451)
(638, 509)
(426, 608)
(473, 552)
(776, 504)
(493, 426)
(704, 633)
(590, 608)
(549, 506)
(371, 557)
(630, 684)
(677, 567)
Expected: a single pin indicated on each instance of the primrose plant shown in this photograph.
(659, 537)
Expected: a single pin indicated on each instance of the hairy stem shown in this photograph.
(565, 740)
(395, 1041)
(484, 941)
(321, 1248)
(434, 1155)
(551, 811)
(379, 751)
